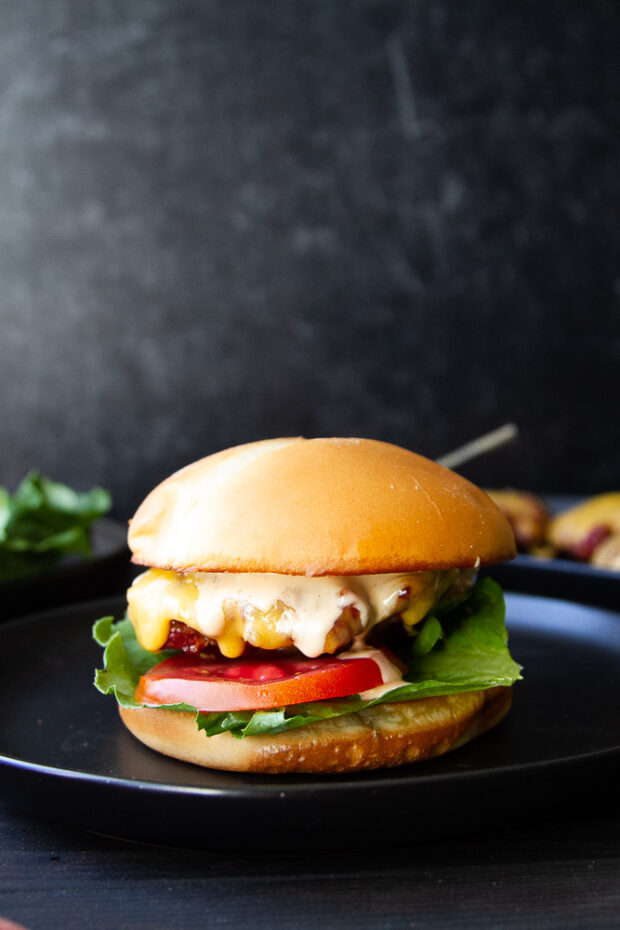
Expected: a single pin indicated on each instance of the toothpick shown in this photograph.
(480, 446)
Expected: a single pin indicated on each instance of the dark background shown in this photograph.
(226, 221)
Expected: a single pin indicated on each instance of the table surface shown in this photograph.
(563, 873)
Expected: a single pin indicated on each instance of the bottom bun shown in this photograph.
(380, 736)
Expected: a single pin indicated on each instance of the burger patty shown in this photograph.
(315, 615)
(187, 639)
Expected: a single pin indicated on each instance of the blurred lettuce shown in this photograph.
(44, 521)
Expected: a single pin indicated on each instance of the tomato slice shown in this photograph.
(239, 684)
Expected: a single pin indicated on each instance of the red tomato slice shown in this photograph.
(238, 684)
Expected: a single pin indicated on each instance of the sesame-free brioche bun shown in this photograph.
(318, 507)
(381, 736)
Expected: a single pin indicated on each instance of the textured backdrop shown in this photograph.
(223, 221)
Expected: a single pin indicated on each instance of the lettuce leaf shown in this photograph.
(44, 521)
(125, 661)
(464, 649)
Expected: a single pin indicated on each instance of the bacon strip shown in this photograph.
(183, 637)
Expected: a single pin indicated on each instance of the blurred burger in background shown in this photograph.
(588, 532)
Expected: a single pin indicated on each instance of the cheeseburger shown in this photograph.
(311, 606)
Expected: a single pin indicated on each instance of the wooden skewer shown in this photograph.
(480, 446)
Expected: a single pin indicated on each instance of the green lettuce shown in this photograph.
(44, 521)
(462, 649)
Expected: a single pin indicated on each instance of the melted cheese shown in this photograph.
(272, 611)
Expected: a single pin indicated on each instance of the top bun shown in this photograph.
(318, 507)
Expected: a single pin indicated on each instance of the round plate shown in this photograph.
(75, 579)
(65, 755)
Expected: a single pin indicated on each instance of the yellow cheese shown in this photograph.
(157, 597)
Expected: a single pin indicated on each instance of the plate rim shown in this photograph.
(334, 783)
(582, 569)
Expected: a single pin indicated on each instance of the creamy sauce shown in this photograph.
(390, 673)
(272, 610)
(373, 693)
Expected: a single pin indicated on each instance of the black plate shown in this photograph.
(75, 579)
(65, 754)
(561, 578)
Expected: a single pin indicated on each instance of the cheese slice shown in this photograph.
(272, 611)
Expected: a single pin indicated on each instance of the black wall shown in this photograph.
(222, 221)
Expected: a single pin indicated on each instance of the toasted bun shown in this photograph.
(318, 507)
(381, 736)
